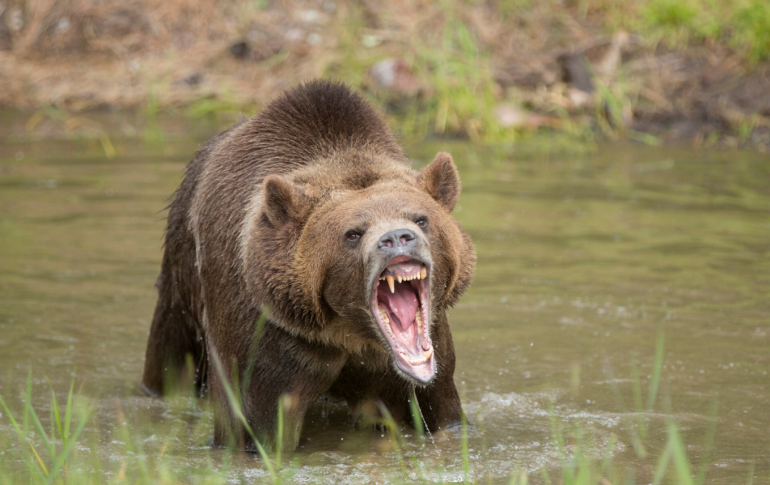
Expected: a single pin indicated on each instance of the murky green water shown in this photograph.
(582, 260)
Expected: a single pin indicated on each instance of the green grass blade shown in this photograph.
(68, 414)
(465, 450)
(681, 464)
(39, 426)
(62, 458)
(638, 404)
(709, 443)
(19, 430)
(518, 476)
(279, 435)
(27, 401)
(235, 406)
(544, 473)
(32, 465)
(584, 472)
(660, 470)
(417, 420)
(608, 454)
(656, 371)
(52, 422)
(636, 440)
(390, 423)
(557, 431)
(56, 422)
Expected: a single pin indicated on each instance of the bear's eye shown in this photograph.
(352, 236)
(422, 222)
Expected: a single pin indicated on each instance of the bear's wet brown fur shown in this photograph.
(282, 212)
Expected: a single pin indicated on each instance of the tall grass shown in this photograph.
(457, 98)
(38, 453)
(55, 446)
(461, 76)
(447, 45)
(743, 25)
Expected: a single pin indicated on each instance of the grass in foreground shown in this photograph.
(35, 452)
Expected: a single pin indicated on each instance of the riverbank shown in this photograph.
(650, 70)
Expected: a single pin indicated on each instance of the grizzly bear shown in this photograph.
(305, 258)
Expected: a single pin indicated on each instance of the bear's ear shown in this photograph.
(441, 181)
(283, 201)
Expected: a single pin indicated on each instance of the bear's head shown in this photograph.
(362, 253)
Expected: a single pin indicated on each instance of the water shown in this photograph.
(583, 260)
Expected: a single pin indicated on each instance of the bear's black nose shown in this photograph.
(400, 238)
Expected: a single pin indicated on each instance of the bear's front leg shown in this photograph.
(285, 369)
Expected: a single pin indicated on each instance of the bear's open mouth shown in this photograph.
(400, 304)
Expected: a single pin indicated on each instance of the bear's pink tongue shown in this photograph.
(402, 306)
(399, 312)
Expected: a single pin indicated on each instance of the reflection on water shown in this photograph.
(582, 260)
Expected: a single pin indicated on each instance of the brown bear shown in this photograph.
(310, 213)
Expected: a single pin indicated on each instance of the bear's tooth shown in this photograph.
(383, 315)
(424, 273)
(385, 320)
(399, 278)
(418, 317)
(391, 284)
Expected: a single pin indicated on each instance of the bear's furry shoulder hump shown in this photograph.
(313, 120)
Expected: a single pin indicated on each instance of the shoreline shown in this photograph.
(468, 71)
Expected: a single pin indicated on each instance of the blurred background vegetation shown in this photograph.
(649, 70)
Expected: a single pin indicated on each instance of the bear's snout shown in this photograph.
(396, 242)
